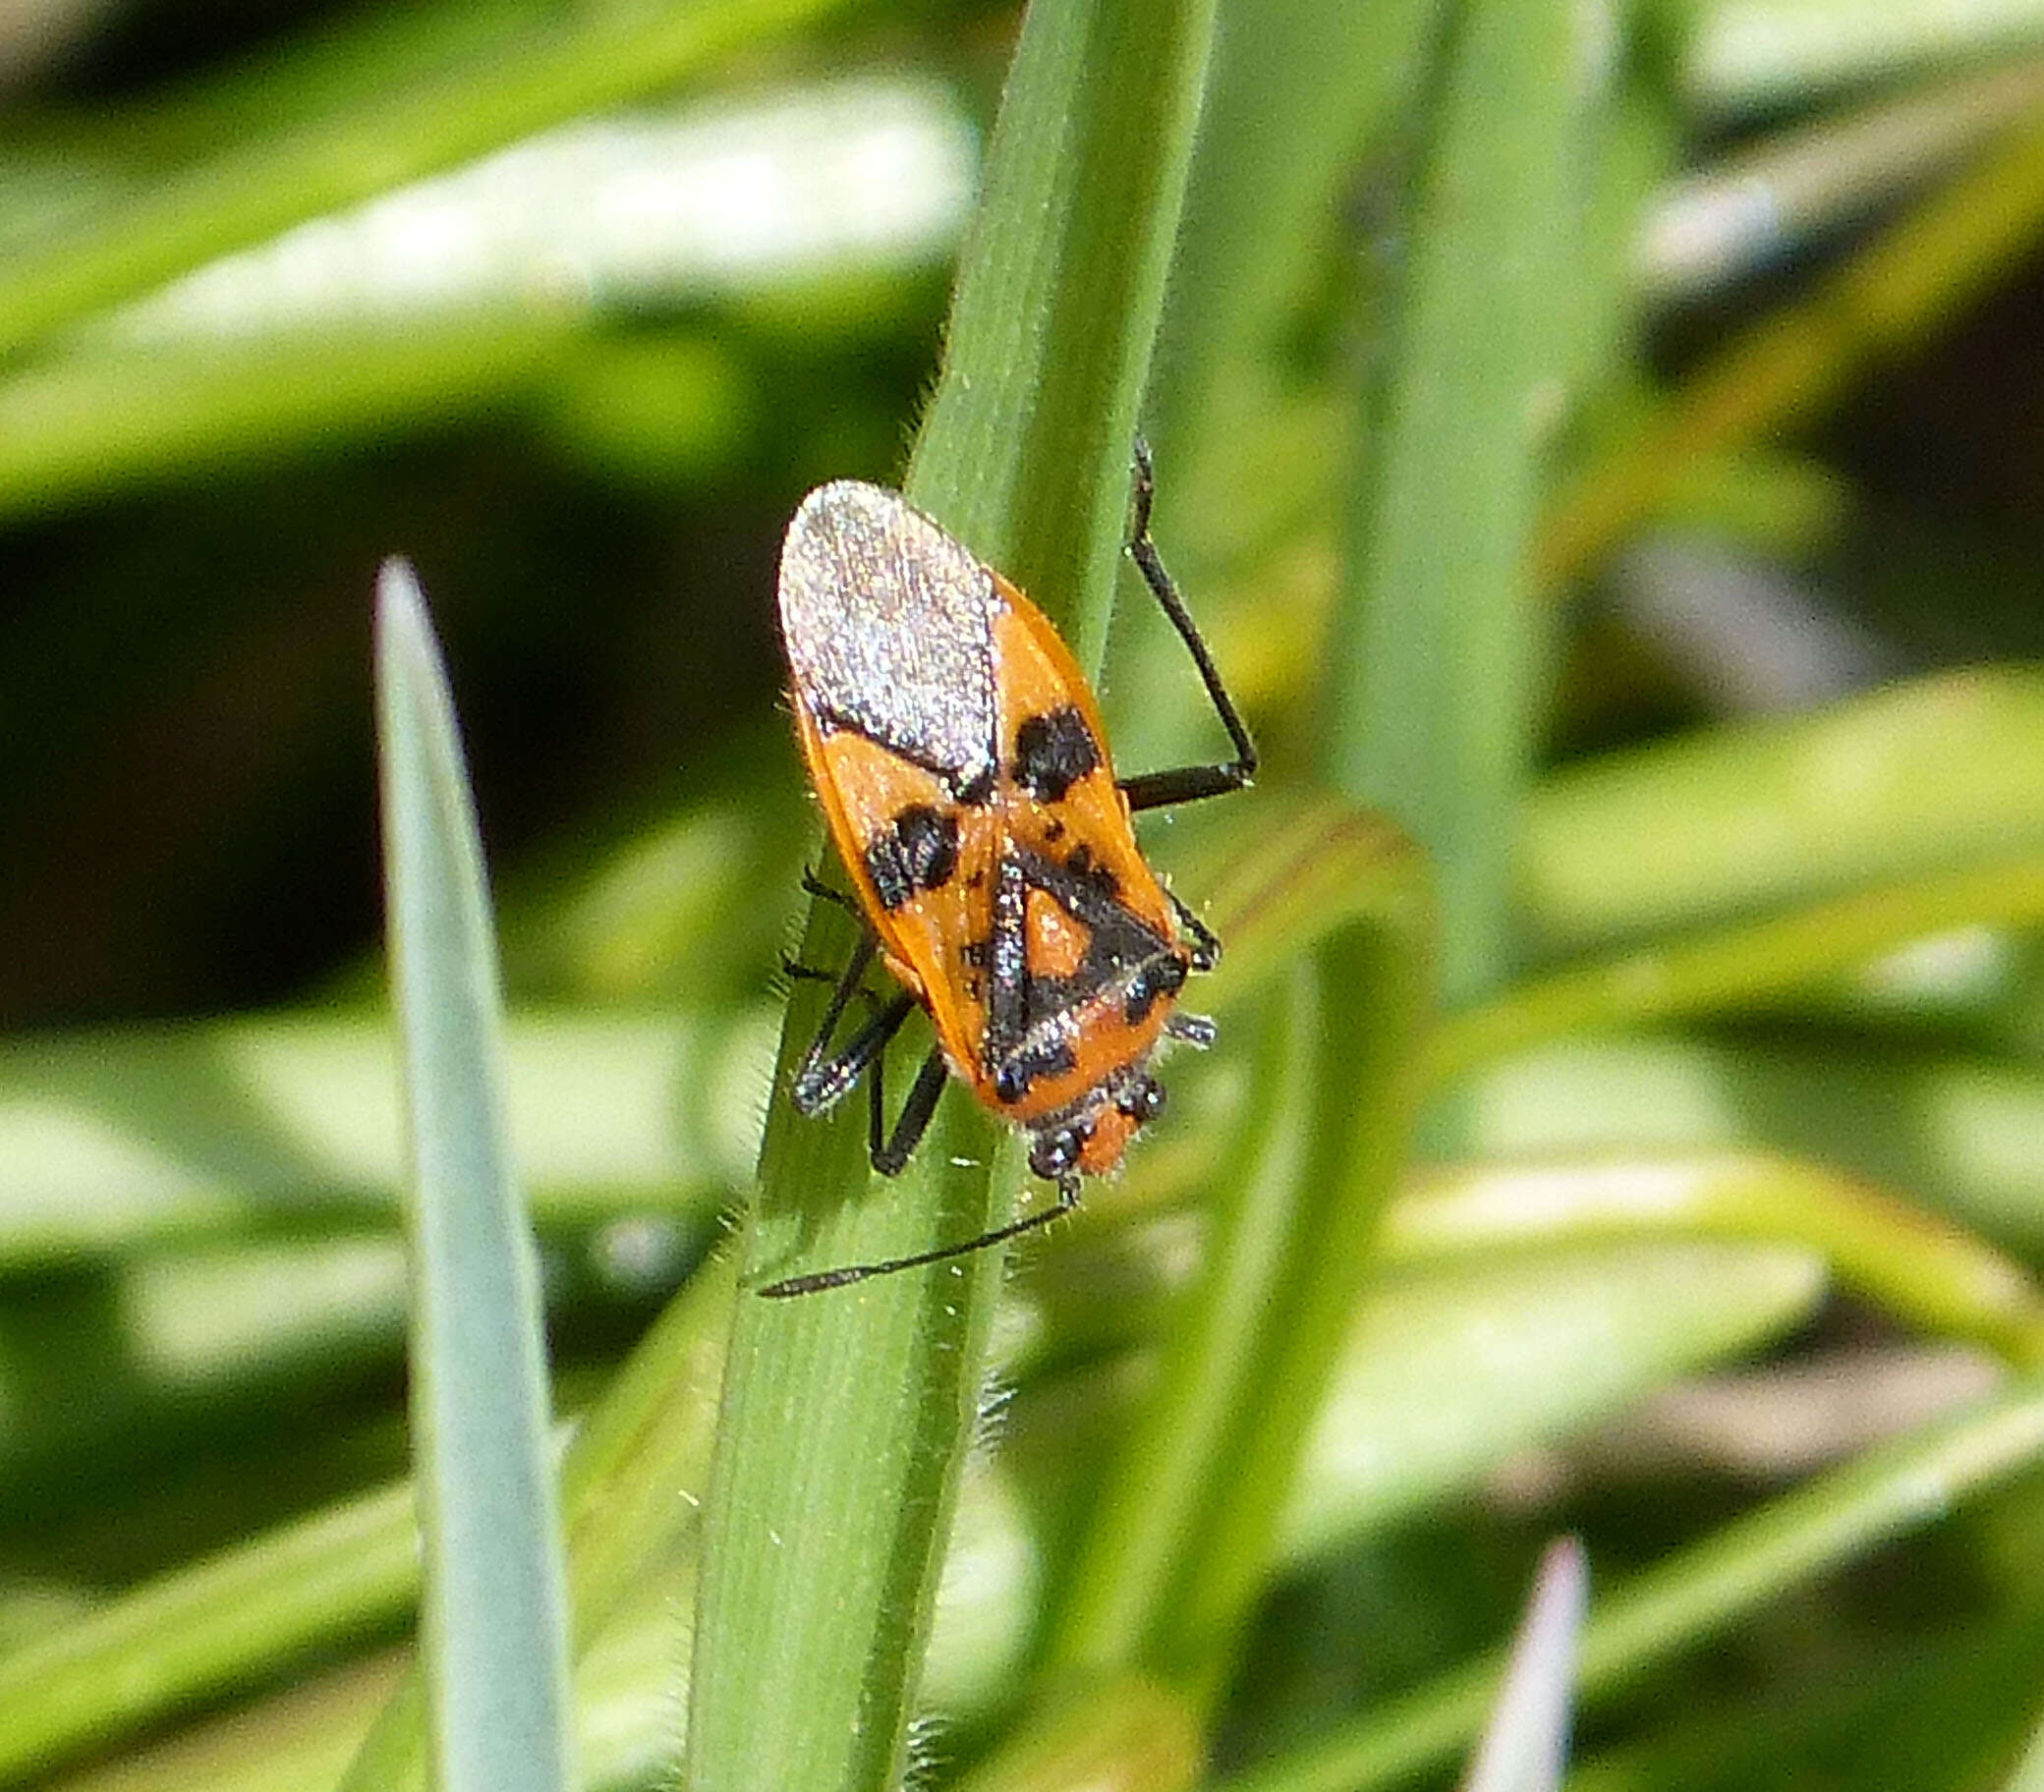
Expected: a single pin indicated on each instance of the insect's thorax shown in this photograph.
(1018, 906)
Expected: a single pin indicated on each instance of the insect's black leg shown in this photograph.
(821, 1082)
(1068, 1199)
(1187, 783)
(1206, 949)
(797, 971)
(823, 1079)
(816, 886)
(913, 1119)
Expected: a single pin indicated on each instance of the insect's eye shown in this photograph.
(1142, 1101)
(1056, 1154)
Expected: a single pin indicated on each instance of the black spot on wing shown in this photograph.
(1079, 861)
(918, 851)
(1053, 751)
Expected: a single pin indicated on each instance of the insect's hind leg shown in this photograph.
(1185, 783)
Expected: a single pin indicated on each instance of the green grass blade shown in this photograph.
(1943, 772)
(1299, 88)
(1189, 1510)
(494, 1625)
(98, 420)
(1431, 685)
(1445, 1378)
(1958, 1129)
(1757, 55)
(1124, 1585)
(630, 1490)
(1920, 1269)
(204, 1629)
(1797, 359)
(281, 178)
(1522, 1350)
(1718, 974)
(119, 1140)
(1025, 452)
(846, 1416)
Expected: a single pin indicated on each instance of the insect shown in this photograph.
(963, 770)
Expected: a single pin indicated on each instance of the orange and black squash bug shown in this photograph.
(962, 766)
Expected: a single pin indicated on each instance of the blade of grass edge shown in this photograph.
(1525, 1744)
(631, 1482)
(494, 1627)
(846, 1416)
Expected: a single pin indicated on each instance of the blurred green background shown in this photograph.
(1698, 663)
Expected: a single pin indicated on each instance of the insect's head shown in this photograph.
(1088, 1138)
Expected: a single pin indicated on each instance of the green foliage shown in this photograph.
(1628, 1114)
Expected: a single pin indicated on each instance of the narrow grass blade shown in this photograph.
(1301, 92)
(1921, 1269)
(1925, 777)
(1754, 55)
(1445, 1377)
(1187, 1516)
(278, 178)
(631, 1491)
(1799, 358)
(1821, 176)
(1124, 1600)
(1716, 975)
(114, 1141)
(494, 1624)
(1526, 1746)
(93, 422)
(1434, 647)
(1958, 1129)
(846, 1415)
(206, 1629)
(1521, 1351)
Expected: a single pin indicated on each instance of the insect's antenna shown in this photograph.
(1068, 1199)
